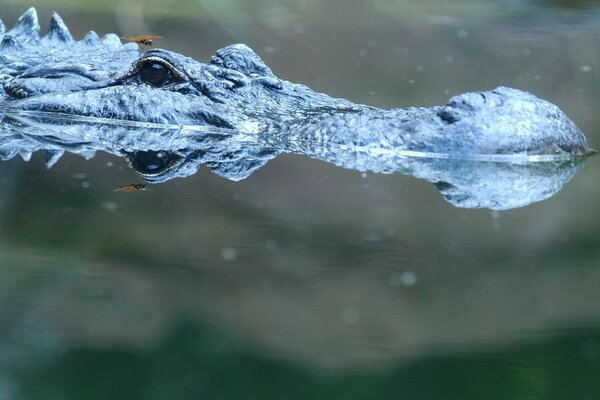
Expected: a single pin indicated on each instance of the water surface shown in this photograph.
(308, 280)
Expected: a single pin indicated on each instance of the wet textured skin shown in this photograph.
(103, 78)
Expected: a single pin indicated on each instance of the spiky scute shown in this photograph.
(22, 48)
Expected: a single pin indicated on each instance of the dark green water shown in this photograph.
(308, 281)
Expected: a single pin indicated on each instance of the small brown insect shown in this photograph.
(146, 40)
(132, 187)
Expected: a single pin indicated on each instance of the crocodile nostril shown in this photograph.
(16, 90)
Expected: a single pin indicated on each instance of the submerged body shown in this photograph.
(102, 78)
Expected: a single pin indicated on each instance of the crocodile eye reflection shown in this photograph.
(151, 162)
(156, 73)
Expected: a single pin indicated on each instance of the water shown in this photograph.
(307, 280)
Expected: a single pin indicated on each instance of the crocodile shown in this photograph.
(102, 78)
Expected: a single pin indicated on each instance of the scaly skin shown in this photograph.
(236, 90)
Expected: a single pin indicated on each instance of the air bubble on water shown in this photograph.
(585, 68)
(405, 278)
(364, 175)
(526, 52)
(350, 315)
(462, 33)
(109, 206)
(271, 245)
(411, 82)
(373, 237)
(449, 59)
(537, 77)
(228, 254)
(85, 184)
(270, 49)
(495, 214)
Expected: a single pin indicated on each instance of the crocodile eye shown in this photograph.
(156, 73)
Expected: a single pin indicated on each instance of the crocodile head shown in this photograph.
(106, 79)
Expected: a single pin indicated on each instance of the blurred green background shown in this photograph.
(306, 280)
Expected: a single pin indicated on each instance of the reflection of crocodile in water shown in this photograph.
(163, 153)
(102, 78)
